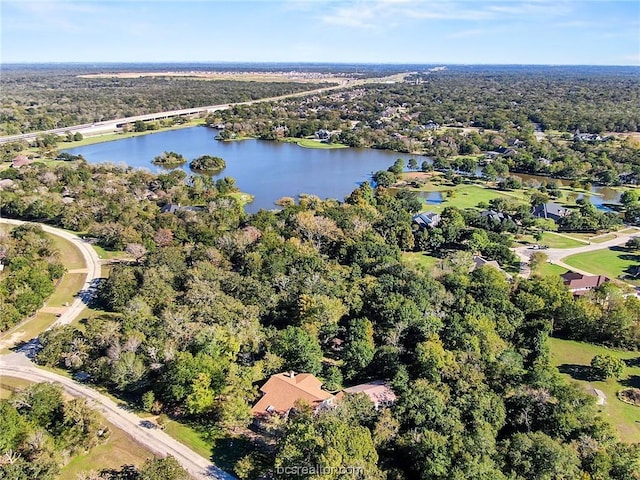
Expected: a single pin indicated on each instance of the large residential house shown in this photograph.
(550, 210)
(426, 220)
(283, 390)
(579, 284)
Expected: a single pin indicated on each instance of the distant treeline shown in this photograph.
(42, 99)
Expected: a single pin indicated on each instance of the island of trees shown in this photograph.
(169, 159)
(207, 163)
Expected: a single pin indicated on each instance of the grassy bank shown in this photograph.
(573, 361)
(312, 143)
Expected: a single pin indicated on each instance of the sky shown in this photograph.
(568, 32)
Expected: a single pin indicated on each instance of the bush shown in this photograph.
(607, 366)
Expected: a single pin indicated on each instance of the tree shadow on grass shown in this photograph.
(228, 450)
(632, 362)
(633, 381)
(577, 372)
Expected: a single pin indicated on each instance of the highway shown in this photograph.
(109, 126)
(18, 365)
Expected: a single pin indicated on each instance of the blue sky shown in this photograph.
(364, 31)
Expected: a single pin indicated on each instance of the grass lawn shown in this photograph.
(421, 259)
(313, 143)
(70, 256)
(190, 437)
(550, 270)
(573, 360)
(27, 330)
(558, 241)
(120, 449)
(467, 196)
(612, 262)
(69, 286)
(241, 197)
(108, 254)
(8, 385)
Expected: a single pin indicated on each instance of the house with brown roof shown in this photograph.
(579, 284)
(378, 392)
(20, 161)
(283, 390)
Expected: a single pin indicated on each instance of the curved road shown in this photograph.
(18, 365)
(556, 255)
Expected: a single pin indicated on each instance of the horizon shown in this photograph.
(373, 32)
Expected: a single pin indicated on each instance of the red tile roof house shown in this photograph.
(283, 390)
(579, 284)
(20, 161)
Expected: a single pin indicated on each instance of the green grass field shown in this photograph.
(70, 256)
(558, 241)
(550, 270)
(120, 449)
(67, 289)
(573, 360)
(420, 259)
(27, 330)
(190, 437)
(612, 262)
(467, 196)
(312, 143)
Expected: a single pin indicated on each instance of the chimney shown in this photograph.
(292, 374)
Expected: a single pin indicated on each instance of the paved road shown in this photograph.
(556, 255)
(18, 365)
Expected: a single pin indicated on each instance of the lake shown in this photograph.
(267, 170)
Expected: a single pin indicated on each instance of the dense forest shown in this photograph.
(44, 99)
(32, 267)
(217, 300)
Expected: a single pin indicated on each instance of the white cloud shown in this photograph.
(378, 13)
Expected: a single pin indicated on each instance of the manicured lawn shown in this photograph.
(241, 197)
(120, 449)
(108, 254)
(612, 262)
(558, 241)
(468, 196)
(550, 270)
(573, 360)
(591, 238)
(69, 286)
(70, 256)
(311, 143)
(190, 437)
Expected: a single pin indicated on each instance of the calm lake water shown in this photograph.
(268, 170)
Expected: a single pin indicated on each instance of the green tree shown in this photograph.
(359, 347)
(607, 366)
(301, 352)
(166, 468)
